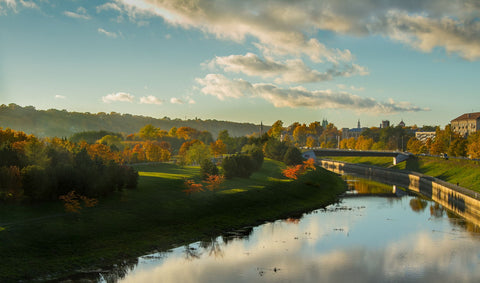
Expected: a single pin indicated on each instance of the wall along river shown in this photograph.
(376, 233)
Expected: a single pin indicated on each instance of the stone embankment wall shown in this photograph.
(457, 199)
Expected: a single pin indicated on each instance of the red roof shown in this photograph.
(468, 116)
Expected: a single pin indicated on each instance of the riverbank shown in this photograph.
(464, 172)
(42, 240)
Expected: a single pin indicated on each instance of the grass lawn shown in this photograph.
(40, 240)
(462, 171)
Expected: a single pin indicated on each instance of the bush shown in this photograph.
(229, 165)
(257, 157)
(293, 156)
(238, 166)
(207, 167)
(275, 149)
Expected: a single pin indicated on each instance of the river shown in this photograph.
(377, 233)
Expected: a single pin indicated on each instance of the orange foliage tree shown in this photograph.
(292, 172)
(213, 182)
(218, 148)
(192, 187)
(72, 202)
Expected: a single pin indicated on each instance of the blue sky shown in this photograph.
(245, 61)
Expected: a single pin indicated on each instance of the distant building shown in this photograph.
(324, 123)
(424, 136)
(401, 124)
(466, 124)
(385, 124)
(354, 132)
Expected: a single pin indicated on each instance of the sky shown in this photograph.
(245, 61)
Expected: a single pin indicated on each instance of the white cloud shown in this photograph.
(109, 7)
(175, 100)
(423, 33)
(107, 33)
(295, 97)
(290, 71)
(150, 100)
(58, 96)
(80, 13)
(291, 27)
(12, 5)
(119, 96)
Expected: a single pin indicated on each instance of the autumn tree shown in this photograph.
(458, 146)
(218, 148)
(311, 142)
(192, 187)
(300, 135)
(351, 142)
(276, 130)
(315, 128)
(414, 145)
(364, 143)
(187, 133)
(473, 147)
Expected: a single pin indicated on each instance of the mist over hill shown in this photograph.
(62, 123)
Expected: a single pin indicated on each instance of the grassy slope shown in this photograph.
(464, 172)
(158, 215)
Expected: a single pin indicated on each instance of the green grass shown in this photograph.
(464, 172)
(42, 239)
(377, 161)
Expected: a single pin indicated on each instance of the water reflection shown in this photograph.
(362, 239)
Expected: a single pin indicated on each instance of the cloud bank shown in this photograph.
(290, 71)
(221, 87)
(290, 27)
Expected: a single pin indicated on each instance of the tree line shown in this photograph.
(62, 123)
(374, 138)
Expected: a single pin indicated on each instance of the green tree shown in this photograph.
(148, 132)
(196, 153)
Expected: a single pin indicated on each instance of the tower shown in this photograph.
(358, 124)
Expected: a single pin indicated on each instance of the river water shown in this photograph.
(377, 233)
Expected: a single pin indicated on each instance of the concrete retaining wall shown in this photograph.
(457, 199)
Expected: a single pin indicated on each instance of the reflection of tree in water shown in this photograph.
(120, 270)
(191, 253)
(292, 220)
(418, 204)
(365, 186)
(214, 248)
(436, 210)
(237, 234)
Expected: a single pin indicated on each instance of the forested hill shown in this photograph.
(61, 123)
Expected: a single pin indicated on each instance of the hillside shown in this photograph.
(61, 123)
